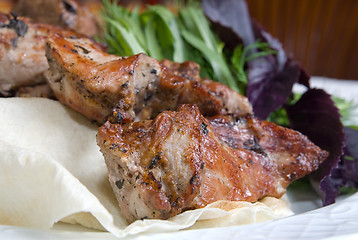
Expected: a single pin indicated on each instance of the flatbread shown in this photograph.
(52, 170)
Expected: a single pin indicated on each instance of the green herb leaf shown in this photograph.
(347, 109)
(161, 34)
(153, 46)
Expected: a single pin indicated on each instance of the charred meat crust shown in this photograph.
(181, 160)
(184, 84)
(96, 83)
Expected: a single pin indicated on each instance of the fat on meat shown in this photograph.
(181, 161)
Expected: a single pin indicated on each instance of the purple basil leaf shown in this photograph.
(274, 43)
(270, 78)
(304, 78)
(351, 149)
(328, 188)
(268, 88)
(345, 175)
(316, 116)
(231, 15)
(261, 34)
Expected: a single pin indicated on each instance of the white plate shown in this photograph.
(337, 221)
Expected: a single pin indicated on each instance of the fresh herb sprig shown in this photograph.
(242, 55)
(187, 35)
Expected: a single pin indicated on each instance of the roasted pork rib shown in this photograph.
(97, 84)
(181, 160)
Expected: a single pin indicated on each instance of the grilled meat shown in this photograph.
(96, 83)
(293, 154)
(182, 80)
(180, 83)
(22, 53)
(65, 13)
(181, 160)
(188, 70)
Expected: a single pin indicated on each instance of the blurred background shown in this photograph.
(321, 34)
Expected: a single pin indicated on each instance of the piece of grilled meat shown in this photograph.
(182, 80)
(65, 13)
(96, 83)
(22, 52)
(181, 160)
(180, 83)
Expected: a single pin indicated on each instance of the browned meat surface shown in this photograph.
(293, 153)
(65, 13)
(188, 70)
(96, 83)
(181, 84)
(181, 160)
(22, 53)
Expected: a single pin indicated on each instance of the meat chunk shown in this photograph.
(22, 53)
(188, 70)
(65, 13)
(292, 152)
(185, 86)
(98, 84)
(180, 83)
(181, 160)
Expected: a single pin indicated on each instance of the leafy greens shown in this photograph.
(271, 76)
(180, 37)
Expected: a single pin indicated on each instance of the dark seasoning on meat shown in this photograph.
(22, 56)
(19, 26)
(166, 149)
(199, 164)
(171, 140)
